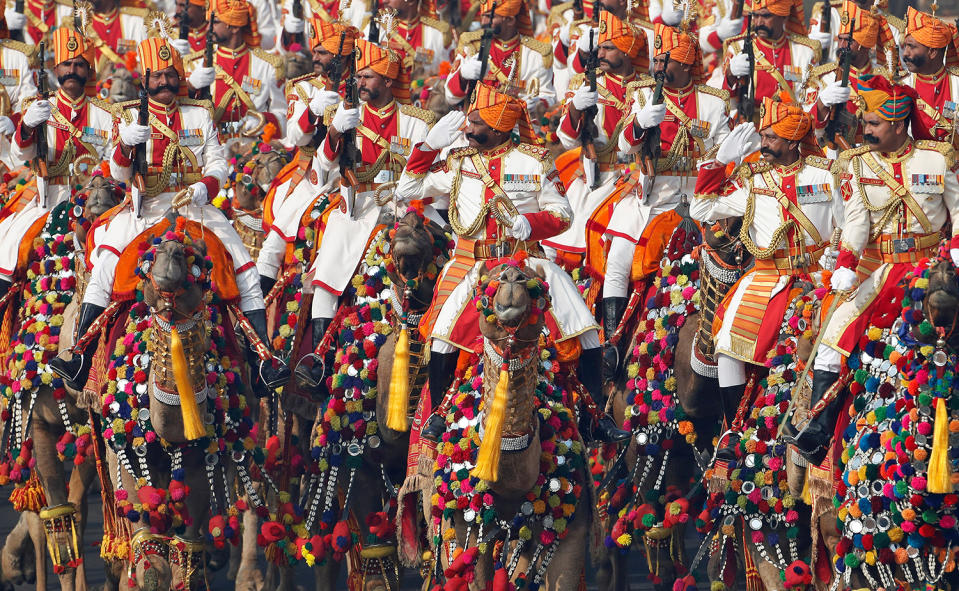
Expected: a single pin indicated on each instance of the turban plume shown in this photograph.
(892, 102)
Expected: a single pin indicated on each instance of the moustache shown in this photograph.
(63, 79)
(870, 138)
(769, 152)
(478, 138)
(159, 89)
(916, 61)
(758, 28)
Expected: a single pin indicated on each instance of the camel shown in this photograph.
(249, 190)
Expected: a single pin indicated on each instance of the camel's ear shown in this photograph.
(200, 246)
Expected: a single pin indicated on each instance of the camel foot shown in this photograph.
(18, 559)
(154, 574)
(249, 579)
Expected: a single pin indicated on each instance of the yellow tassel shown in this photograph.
(192, 423)
(487, 461)
(399, 400)
(940, 476)
(806, 493)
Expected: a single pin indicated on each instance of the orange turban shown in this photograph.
(625, 37)
(202, 3)
(927, 29)
(68, 44)
(237, 13)
(515, 8)
(502, 112)
(789, 121)
(861, 24)
(155, 54)
(789, 8)
(387, 63)
(681, 46)
(328, 35)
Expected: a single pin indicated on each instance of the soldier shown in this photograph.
(622, 53)
(248, 81)
(294, 27)
(195, 12)
(78, 134)
(38, 19)
(183, 152)
(16, 83)
(782, 51)
(114, 29)
(530, 62)
(929, 52)
(889, 34)
(789, 202)
(692, 120)
(898, 194)
(503, 196)
(424, 40)
(384, 132)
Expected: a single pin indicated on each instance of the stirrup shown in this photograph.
(304, 375)
(60, 529)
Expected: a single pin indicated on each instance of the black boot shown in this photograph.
(613, 309)
(603, 428)
(266, 284)
(5, 286)
(813, 441)
(75, 368)
(272, 377)
(729, 398)
(442, 368)
(312, 376)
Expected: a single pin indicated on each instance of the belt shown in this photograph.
(58, 180)
(893, 244)
(806, 259)
(494, 249)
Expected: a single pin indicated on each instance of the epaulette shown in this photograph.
(556, 12)
(470, 38)
(288, 88)
(895, 22)
(427, 116)
(188, 102)
(540, 47)
(853, 152)
(134, 11)
(28, 50)
(122, 109)
(759, 166)
(441, 26)
(719, 93)
(632, 89)
(812, 44)
(193, 55)
(819, 162)
(459, 153)
(953, 70)
(944, 148)
(577, 80)
(822, 69)
(541, 153)
(274, 60)
(100, 103)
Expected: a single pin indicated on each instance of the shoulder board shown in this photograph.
(953, 70)
(810, 43)
(823, 69)
(276, 61)
(536, 45)
(460, 153)
(193, 56)
(28, 50)
(739, 37)
(716, 92)
(188, 102)
(943, 148)
(819, 162)
(558, 9)
(100, 103)
(759, 166)
(428, 116)
(471, 37)
(577, 80)
(853, 152)
(539, 152)
(895, 22)
(134, 11)
(643, 82)
(131, 104)
(441, 26)
(294, 81)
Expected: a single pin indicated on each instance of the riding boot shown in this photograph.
(613, 308)
(729, 398)
(598, 426)
(5, 285)
(312, 376)
(266, 284)
(272, 377)
(813, 441)
(442, 368)
(75, 369)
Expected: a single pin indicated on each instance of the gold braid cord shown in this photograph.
(493, 205)
(890, 209)
(60, 528)
(774, 241)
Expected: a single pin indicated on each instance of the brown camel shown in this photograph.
(250, 189)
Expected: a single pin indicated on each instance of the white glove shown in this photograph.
(322, 101)
(741, 142)
(954, 255)
(828, 259)
(471, 67)
(15, 20)
(133, 134)
(728, 27)
(202, 77)
(843, 279)
(520, 230)
(38, 112)
(345, 119)
(564, 34)
(673, 15)
(583, 45)
(739, 65)
(248, 123)
(584, 98)
(182, 46)
(199, 196)
(6, 126)
(824, 38)
(445, 130)
(292, 25)
(834, 94)
(651, 115)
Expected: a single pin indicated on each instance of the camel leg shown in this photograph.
(39, 548)
(81, 478)
(569, 561)
(247, 576)
(769, 573)
(18, 558)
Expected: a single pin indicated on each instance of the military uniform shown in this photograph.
(425, 43)
(780, 64)
(16, 83)
(892, 28)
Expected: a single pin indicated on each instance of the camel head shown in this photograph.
(116, 84)
(512, 298)
(298, 63)
(433, 97)
(99, 196)
(941, 302)
(418, 249)
(175, 273)
(262, 165)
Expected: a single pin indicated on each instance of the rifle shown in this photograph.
(839, 124)
(206, 93)
(589, 132)
(374, 24)
(737, 11)
(746, 92)
(18, 6)
(298, 13)
(825, 21)
(652, 148)
(184, 23)
(140, 150)
(348, 155)
(578, 11)
(40, 162)
(486, 41)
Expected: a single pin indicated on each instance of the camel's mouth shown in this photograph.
(509, 315)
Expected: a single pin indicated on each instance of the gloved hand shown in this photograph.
(673, 15)
(133, 134)
(199, 195)
(345, 119)
(292, 24)
(322, 101)
(470, 68)
(201, 77)
(728, 27)
(824, 38)
(741, 142)
(843, 279)
(15, 20)
(834, 94)
(182, 46)
(828, 259)
(954, 255)
(38, 112)
(583, 45)
(531, 103)
(6, 126)
(739, 65)
(584, 98)
(564, 34)
(520, 230)
(248, 123)
(445, 130)
(651, 115)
